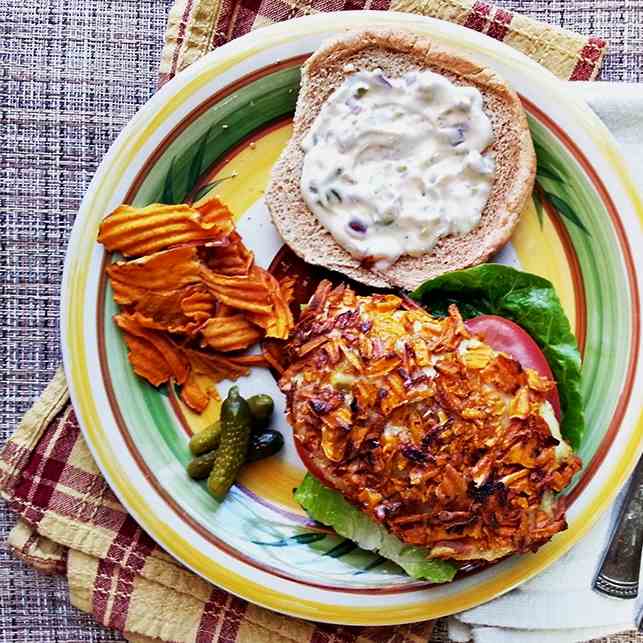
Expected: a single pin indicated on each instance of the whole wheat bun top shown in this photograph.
(396, 53)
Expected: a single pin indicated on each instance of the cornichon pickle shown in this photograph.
(261, 408)
(235, 432)
(264, 444)
(206, 440)
(199, 468)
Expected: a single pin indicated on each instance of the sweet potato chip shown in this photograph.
(287, 286)
(172, 354)
(184, 326)
(242, 292)
(275, 355)
(249, 360)
(229, 333)
(223, 310)
(146, 360)
(163, 306)
(199, 304)
(166, 310)
(161, 271)
(193, 395)
(213, 212)
(233, 259)
(216, 366)
(125, 293)
(144, 321)
(136, 232)
(278, 322)
(191, 276)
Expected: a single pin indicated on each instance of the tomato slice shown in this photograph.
(318, 470)
(506, 336)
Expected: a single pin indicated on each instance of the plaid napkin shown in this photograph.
(69, 520)
(195, 27)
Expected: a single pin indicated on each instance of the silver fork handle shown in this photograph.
(618, 574)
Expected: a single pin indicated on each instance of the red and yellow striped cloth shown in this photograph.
(195, 27)
(71, 523)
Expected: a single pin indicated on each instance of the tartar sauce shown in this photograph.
(393, 164)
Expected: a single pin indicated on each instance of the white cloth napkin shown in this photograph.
(559, 605)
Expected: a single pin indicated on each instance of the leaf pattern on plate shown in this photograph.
(552, 186)
(304, 538)
(210, 186)
(184, 171)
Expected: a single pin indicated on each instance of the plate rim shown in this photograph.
(149, 109)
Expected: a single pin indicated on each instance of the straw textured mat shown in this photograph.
(71, 75)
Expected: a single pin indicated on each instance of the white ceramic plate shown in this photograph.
(585, 236)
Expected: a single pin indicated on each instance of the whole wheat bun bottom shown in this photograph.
(398, 52)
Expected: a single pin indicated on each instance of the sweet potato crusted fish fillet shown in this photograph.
(424, 427)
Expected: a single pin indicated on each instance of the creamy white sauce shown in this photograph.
(392, 165)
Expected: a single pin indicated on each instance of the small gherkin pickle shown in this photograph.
(199, 468)
(263, 445)
(206, 440)
(261, 409)
(235, 432)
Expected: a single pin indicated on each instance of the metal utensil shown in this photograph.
(618, 574)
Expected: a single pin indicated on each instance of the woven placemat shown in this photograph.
(72, 75)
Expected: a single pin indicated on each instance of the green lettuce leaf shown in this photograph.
(529, 301)
(330, 508)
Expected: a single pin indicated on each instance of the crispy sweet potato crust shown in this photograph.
(428, 430)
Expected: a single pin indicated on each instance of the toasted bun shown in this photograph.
(396, 53)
